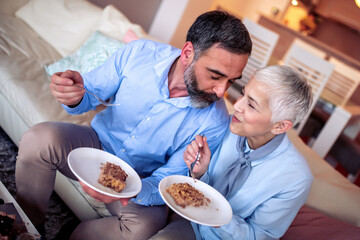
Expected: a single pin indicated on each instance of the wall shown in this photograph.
(193, 9)
(137, 11)
(167, 19)
(239, 8)
(340, 37)
(160, 18)
(251, 9)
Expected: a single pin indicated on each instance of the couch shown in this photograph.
(38, 37)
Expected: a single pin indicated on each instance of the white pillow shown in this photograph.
(115, 24)
(64, 24)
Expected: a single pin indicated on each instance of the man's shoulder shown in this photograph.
(143, 44)
(215, 115)
(219, 111)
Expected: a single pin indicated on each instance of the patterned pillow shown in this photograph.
(90, 55)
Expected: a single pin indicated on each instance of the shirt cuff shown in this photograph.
(149, 195)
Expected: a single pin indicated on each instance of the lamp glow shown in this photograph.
(295, 2)
(357, 3)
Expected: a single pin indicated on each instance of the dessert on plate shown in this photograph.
(112, 176)
(186, 195)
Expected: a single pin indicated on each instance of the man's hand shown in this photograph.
(62, 88)
(102, 197)
(190, 155)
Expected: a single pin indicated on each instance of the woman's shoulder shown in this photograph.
(292, 162)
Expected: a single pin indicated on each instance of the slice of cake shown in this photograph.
(186, 195)
(112, 176)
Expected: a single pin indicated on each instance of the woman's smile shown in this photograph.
(235, 119)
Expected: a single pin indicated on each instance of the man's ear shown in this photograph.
(187, 54)
(281, 127)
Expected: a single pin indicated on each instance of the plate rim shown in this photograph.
(162, 182)
(119, 195)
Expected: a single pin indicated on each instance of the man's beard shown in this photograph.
(198, 98)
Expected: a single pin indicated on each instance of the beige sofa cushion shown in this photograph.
(331, 193)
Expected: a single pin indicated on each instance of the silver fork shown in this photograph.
(196, 159)
(100, 100)
(193, 164)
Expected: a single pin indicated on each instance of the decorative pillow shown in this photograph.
(64, 24)
(130, 36)
(115, 24)
(92, 54)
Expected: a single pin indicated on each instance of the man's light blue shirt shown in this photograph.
(149, 130)
(267, 203)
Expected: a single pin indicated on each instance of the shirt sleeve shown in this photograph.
(149, 194)
(270, 220)
(103, 81)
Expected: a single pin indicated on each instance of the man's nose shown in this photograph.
(220, 90)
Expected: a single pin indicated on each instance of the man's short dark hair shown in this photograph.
(219, 27)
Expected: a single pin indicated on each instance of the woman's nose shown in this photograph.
(239, 104)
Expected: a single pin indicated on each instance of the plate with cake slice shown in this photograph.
(195, 200)
(104, 172)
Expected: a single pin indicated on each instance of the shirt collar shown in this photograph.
(270, 149)
(162, 70)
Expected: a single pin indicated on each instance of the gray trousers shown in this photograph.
(42, 151)
(178, 228)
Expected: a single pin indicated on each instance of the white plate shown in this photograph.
(85, 163)
(217, 213)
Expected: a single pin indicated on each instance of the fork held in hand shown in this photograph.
(100, 100)
(196, 159)
(193, 163)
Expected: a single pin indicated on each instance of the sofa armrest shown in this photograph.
(331, 193)
(311, 224)
(72, 198)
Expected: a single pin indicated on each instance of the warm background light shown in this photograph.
(357, 3)
(295, 2)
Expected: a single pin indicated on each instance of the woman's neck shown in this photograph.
(259, 141)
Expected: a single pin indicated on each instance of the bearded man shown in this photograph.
(166, 97)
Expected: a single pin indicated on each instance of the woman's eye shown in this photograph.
(242, 91)
(251, 106)
(215, 78)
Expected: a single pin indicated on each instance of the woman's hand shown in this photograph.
(63, 89)
(202, 164)
(102, 197)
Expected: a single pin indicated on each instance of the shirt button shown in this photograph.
(123, 150)
(148, 118)
(132, 136)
